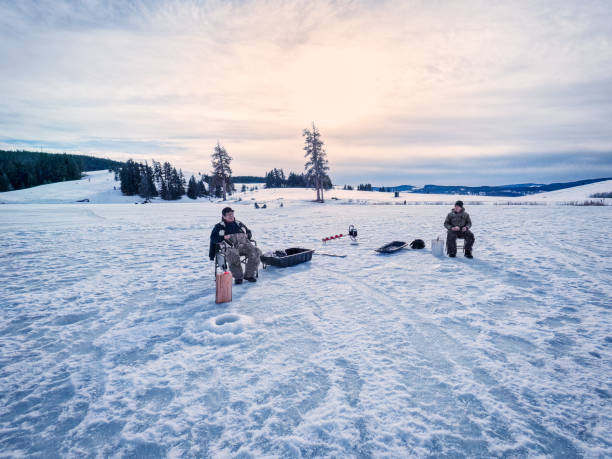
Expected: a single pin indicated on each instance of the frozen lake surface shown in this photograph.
(111, 343)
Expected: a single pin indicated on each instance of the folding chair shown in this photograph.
(460, 242)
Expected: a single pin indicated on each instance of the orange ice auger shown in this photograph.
(352, 232)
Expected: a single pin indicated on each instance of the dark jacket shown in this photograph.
(222, 229)
(460, 219)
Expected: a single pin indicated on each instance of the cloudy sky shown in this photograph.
(447, 92)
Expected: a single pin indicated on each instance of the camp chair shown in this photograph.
(221, 261)
(460, 242)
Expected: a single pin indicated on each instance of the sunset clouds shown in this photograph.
(398, 89)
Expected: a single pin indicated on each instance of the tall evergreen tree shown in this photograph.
(183, 182)
(164, 193)
(222, 171)
(202, 190)
(316, 164)
(144, 188)
(157, 171)
(130, 178)
(175, 185)
(192, 188)
(147, 189)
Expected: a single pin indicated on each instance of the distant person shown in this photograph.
(458, 224)
(238, 237)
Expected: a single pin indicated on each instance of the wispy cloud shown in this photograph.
(388, 83)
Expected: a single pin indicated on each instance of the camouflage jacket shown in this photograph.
(221, 229)
(460, 219)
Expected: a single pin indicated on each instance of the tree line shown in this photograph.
(276, 179)
(316, 169)
(360, 187)
(165, 182)
(25, 169)
(158, 180)
(168, 183)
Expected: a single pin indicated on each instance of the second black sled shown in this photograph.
(392, 247)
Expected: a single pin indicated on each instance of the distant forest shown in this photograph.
(25, 169)
(276, 179)
(248, 179)
(161, 180)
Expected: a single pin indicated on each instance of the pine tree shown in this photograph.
(175, 187)
(192, 188)
(202, 190)
(183, 182)
(316, 165)
(221, 169)
(130, 178)
(157, 171)
(144, 188)
(164, 193)
(147, 190)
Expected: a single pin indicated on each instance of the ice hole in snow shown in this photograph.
(226, 319)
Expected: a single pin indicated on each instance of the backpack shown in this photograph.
(417, 244)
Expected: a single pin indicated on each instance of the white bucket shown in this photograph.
(437, 247)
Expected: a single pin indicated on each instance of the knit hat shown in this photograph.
(459, 203)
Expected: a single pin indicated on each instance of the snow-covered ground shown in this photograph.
(111, 344)
(101, 188)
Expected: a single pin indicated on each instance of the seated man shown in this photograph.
(238, 236)
(458, 224)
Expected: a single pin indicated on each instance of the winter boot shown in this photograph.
(251, 279)
(468, 254)
(238, 281)
(452, 255)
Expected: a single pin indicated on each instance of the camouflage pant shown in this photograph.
(451, 240)
(242, 246)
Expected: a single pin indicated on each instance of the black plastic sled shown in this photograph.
(392, 247)
(285, 258)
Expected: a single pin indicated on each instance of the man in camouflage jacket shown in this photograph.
(458, 224)
(238, 237)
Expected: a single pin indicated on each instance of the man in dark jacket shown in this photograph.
(238, 238)
(458, 224)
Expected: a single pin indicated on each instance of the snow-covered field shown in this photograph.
(98, 187)
(111, 343)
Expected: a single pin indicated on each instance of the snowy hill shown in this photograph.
(98, 187)
(578, 193)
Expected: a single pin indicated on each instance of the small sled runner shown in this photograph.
(289, 257)
(392, 247)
